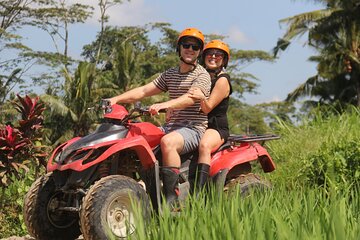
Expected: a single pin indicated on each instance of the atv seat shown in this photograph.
(224, 146)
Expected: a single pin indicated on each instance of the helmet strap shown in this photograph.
(214, 71)
(188, 63)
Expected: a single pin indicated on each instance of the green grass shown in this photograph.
(315, 192)
(304, 213)
(300, 206)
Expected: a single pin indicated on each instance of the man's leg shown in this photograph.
(171, 145)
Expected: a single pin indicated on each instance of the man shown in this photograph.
(186, 123)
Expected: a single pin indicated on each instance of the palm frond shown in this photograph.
(57, 106)
(303, 89)
(299, 24)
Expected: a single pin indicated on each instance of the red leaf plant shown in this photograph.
(18, 145)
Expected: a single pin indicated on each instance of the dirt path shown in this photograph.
(18, 238)
(27, 238)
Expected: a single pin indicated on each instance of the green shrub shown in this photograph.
(11, 216)
(335, 163)
(323, 149)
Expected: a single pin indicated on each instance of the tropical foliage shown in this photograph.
(335, 33)
(20, 144)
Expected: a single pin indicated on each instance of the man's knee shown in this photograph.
(170, 141)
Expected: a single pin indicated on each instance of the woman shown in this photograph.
(215, 56)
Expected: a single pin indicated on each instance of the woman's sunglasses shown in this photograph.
(188, 45)
(217, 54)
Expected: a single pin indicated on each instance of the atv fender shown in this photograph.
(265, 160)
(237, 155)
(137, 143)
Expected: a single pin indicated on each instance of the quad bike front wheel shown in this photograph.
(42, 216)
(246, 184)
(110, 206)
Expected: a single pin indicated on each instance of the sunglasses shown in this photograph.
(193, 46)
(217, 54)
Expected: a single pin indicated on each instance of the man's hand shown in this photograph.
(155, 108)
(111, 100)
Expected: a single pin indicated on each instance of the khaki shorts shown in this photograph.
(191, 137)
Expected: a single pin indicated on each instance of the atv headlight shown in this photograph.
(86, 156)
(79, 155)
(57, 157)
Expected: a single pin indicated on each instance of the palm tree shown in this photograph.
(69, 115)
(335, 33)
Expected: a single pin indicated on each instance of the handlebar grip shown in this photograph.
(105, 102)
(106, 105)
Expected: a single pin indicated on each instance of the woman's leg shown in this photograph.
(210, 140)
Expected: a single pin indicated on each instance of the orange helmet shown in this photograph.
(217, 44)
(192, 32)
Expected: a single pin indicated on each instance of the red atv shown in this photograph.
(92, 181)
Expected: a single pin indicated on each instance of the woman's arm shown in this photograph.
(220, 91)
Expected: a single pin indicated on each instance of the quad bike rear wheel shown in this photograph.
(109, 208)
(42, 216)
(247, 183)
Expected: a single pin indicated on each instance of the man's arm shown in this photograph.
(136, 94)
(177, 103)
(181, 102)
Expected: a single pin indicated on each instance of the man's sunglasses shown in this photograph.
(188, 45)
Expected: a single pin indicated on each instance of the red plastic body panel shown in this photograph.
(142, 138)
(64, 145)
(118, 112)
(137, 143)
(236, 155)
(149, 131)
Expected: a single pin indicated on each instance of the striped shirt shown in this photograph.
(178, 84)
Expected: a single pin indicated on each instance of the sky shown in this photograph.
(248, 25)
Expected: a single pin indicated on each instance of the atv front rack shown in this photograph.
(251, 138)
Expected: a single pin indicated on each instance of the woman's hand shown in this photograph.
(196, 94)
(168, 115)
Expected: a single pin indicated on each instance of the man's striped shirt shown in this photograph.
(178, 84)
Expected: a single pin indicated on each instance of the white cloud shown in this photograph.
(237, 36)
(129, 13)
(276, 99)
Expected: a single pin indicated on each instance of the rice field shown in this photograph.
(304, 213)
(315, 192)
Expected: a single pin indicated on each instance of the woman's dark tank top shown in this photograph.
(218, 116)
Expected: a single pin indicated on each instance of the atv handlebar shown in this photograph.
(105, 104)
